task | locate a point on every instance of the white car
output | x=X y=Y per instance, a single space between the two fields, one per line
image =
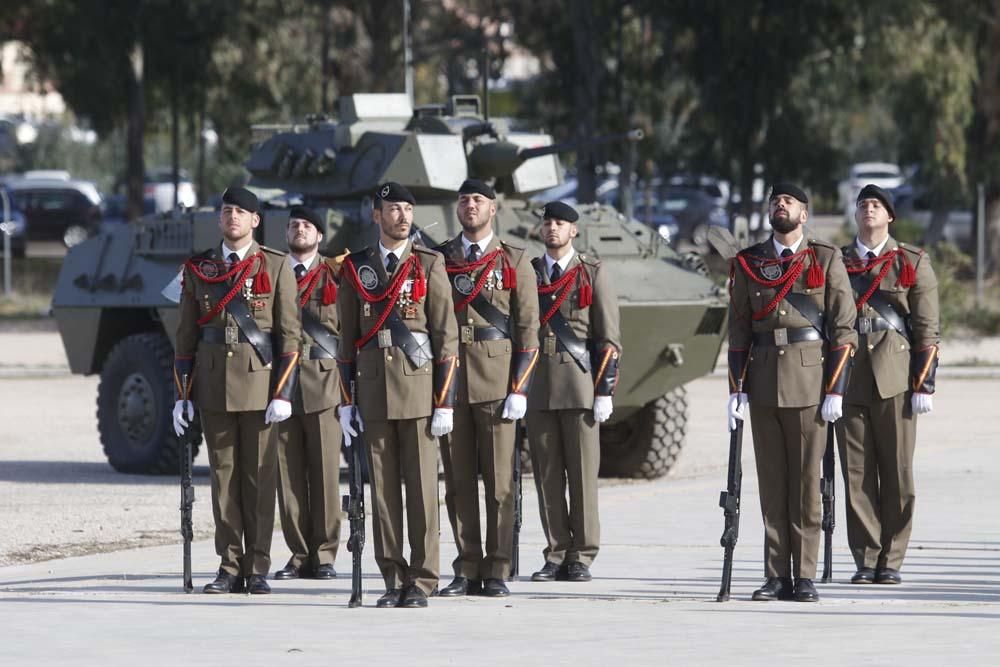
x=883 y=174
x=159 y=186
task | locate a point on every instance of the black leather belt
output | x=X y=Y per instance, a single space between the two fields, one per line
x=866 y=325
x=229 y=336
x=470 y=334
x=781 y=337
x=316 y=352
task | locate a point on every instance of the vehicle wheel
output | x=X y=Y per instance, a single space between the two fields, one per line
x=135 y=401
x=75 y=235
x=646 y=445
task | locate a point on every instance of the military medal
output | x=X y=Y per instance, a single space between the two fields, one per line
x=464 y=284
x=409 y=311
x=209 y=268
x=368 y=277
x=497 y=279
x=248 y=288
x=770 y=271
x=258 y=304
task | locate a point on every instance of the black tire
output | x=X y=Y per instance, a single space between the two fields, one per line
x=135 y=401
x=646 y=445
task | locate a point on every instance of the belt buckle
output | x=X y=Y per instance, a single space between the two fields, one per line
x=384 y=338
x=232 y=335
x=549 y=345
x=781 y=337
x=865 y=325
x=467 y=334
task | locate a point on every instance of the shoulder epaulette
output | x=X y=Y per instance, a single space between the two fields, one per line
x=512 y=246
x=204 y=254
x=358 y=255
x=426 y=251
x=822 y=244
x=912 y=249
x=272 y=251
x=590 y=261
x=754 y=250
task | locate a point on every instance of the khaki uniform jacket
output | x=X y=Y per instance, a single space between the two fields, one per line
x=319 y=382
x=559 y=383
x=232 y=378
x=790 y=376
x=485 y=366
x=388 y=386
x=884 y=356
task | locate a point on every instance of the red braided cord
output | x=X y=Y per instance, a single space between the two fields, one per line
x=563 y=279
x=480 y=282
x=453 y=266
x=243 y=267
x=309 y=282
x=796 y=259
x=876 y=282
x=790 y=277
x=392 y=293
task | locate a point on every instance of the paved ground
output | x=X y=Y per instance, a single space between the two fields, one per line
x=651 y=602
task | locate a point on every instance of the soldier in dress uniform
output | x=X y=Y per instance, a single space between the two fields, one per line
x=571 y=395
x=892 y=382
x=791 y=339
x=496 y=304
x=309 y=441
x=238 y=341
x=398 y=361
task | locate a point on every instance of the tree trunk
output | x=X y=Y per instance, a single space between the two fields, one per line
x=586 y=84
x=134 y=164
x=939 y=220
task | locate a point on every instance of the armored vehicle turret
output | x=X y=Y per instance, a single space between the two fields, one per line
x=115 y=321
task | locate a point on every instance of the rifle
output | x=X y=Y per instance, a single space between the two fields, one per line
x=353 y=505
x=515 y=554
x=826 y=489
x=187 y=492
x=729 y=501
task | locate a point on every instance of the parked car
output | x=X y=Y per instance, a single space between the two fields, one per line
x=680 y=214
x=159 y=186
x=883 y=174
x=63 y=209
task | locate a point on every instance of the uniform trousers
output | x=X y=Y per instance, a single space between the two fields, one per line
x=566 y=451
x=402 y=450
x=242 y=455
x=788 y=445
x=308 y=491
x=481 y=441
x=876 y=443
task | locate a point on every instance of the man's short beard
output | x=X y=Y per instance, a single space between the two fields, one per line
x=476 y=225
x=783 y=225
x=396 y=234
x=555 y=245
x=302 y=248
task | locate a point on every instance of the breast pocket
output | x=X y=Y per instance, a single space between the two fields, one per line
x=812 y=356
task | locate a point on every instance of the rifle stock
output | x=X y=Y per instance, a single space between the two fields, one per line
x=353 y=505
x=729 y=501
x=187 y=492
x=826 y=487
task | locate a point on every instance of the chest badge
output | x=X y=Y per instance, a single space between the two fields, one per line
x=464 y=284
x=368 y=277
x=770 y=271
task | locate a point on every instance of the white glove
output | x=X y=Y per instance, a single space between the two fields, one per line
x=737 y=406
x=921 y=403
x=515 y=407
x=278 y=410
x=347 y=413
x=442 y=422
x=833 y=408
x=180 y=423
x=602 y=408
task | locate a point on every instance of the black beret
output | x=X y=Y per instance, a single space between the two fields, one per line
x=307 y=214
x=788 y=189
x=241 y=197
x=474 y=186
x=872 y=191
x=560 y=211
x=392 y=192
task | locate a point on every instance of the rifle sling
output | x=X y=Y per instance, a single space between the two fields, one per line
x=491 y=314
x=809 y=310
x=237 y=308
x=320 y=334
x=880 y=304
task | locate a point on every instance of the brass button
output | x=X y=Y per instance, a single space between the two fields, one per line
x=870 y=346
x=471 y=321
x=782 y=312
x=756 y=293
x=359 y=373
x=780 y=352
x=902 y=347
x=267 y=365
x=822 y=358
x=388 y=357
x=229 y=354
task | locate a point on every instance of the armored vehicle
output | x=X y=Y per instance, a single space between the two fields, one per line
x=115 y=320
